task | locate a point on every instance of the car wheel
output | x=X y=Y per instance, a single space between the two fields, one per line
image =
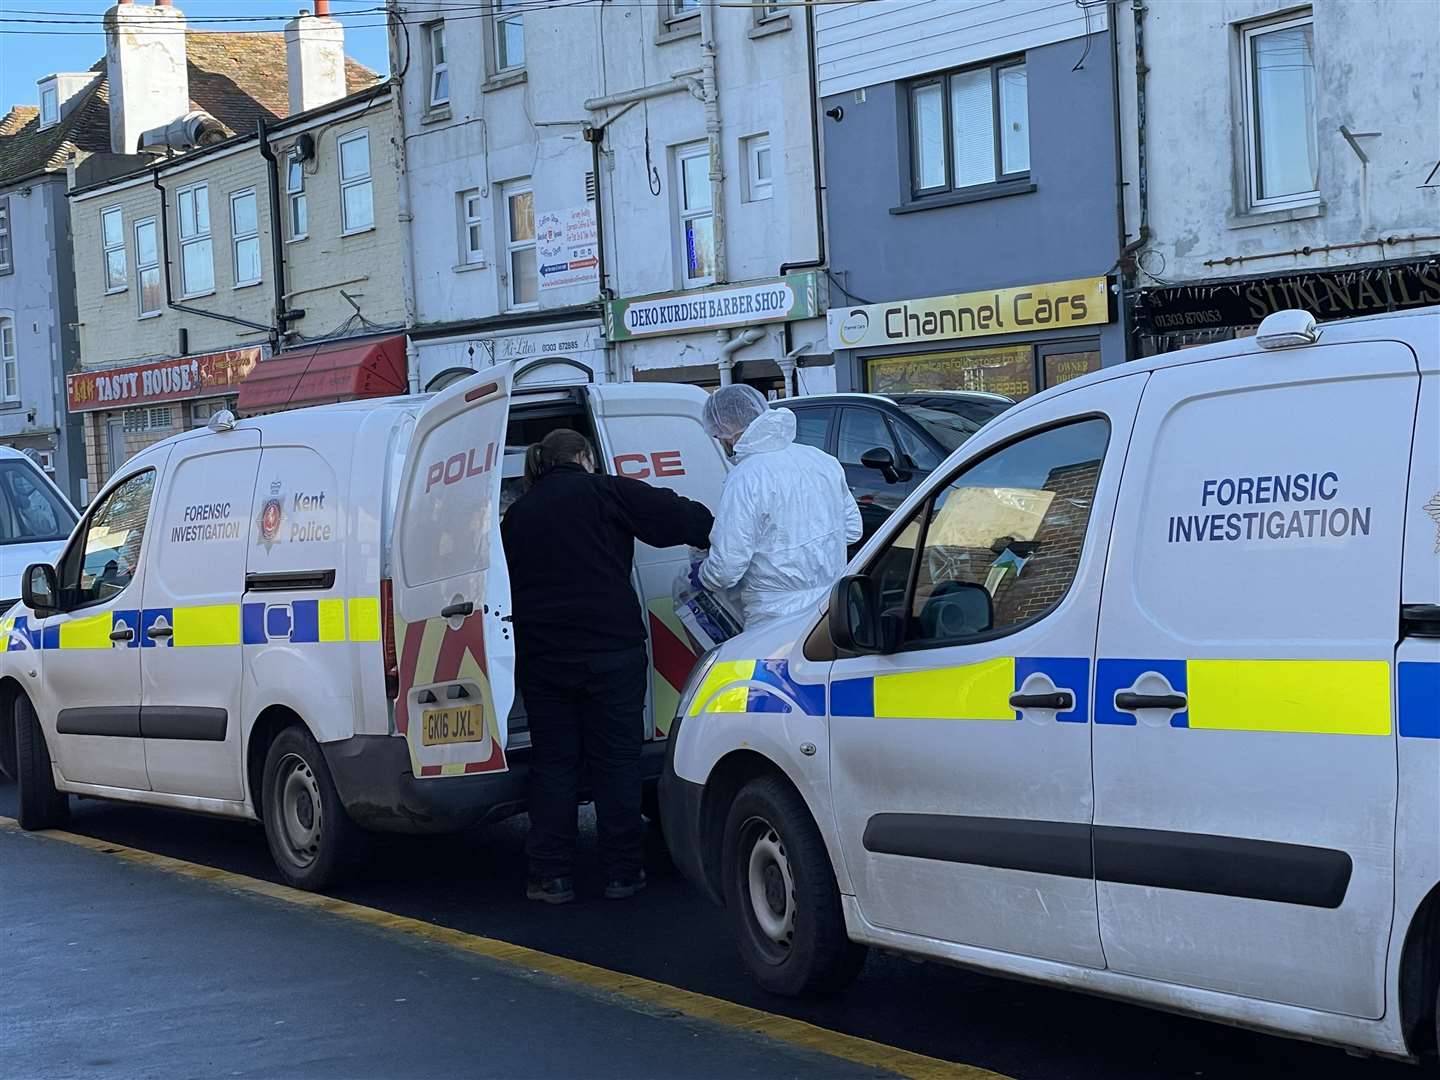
x=41 y=806
x=781 y=895
x=312 y=838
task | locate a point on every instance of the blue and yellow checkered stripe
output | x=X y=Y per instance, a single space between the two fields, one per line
x=979 y=691
x=299 y=622
x=756 y=686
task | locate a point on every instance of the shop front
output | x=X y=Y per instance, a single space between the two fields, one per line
x=127 y=408
x=769 y=334
x=1183 y=315
x=1013 y=341
x=550 y=355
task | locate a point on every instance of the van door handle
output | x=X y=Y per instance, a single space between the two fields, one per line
x=1060 y=701
x=453 y=611
x=160 y=628
x=1126 y=701
x=122 y=633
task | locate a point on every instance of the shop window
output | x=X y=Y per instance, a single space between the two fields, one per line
x=299 y=205
x=197 y=267
x=520 y=247
x=357 y=197
x=969 y=128
x=997 y=369
x=1061 y=363
x=147 y=267
x=1278 y=82
x=112 y=230
x=697 y=220
x=155 y=418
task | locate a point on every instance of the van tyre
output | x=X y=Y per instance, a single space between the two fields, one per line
x=781 y=894
x=41 y=806
x=313 y=840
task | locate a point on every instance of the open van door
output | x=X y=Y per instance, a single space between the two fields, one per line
x=450 y=591
x=653 y=432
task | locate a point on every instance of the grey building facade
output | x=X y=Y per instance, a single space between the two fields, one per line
x=972 y=193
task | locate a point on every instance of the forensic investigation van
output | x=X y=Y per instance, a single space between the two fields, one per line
x=305 y=617
x=1138 y=694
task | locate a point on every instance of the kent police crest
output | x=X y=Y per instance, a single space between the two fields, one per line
x=271 y=514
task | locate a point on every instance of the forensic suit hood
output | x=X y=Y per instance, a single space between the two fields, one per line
x=785 y=518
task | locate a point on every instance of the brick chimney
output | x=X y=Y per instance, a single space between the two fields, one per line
x=145 y=61
x=315 y=58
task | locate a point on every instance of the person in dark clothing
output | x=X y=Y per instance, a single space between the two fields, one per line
x=580 y=645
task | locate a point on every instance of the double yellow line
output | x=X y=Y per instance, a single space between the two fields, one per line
x=728 y=1014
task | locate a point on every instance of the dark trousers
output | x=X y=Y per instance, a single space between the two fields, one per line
x=585 y=708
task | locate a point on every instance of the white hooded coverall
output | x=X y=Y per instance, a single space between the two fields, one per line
x=785 y=519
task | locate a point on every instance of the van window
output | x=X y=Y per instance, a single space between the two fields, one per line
x=29 y=510
x=109 y=552
x=1013 y=524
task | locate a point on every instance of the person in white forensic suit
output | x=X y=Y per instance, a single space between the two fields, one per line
x=786 y=515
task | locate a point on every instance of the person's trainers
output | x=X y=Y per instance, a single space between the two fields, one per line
x=623 y=886
x=550 y=890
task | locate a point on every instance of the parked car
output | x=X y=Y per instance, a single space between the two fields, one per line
x=889 y=443
x=35 y=519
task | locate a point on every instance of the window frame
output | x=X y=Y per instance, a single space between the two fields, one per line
x=107 y=248
x=926 y=508
x=680 y=10
x=9 y=360
x=508 y=192
x=142 y=268
x=75 y=550
x=295 y=196
x=205 y=237
x=237 y=238
x=1255 y=203
x=7 y=237
x=51 y=91
x=346 y=184
x=683 y=153
x=768 y=13
x=435 y=47
x=757 y=189
x=1002 y=180
x=500 y=17
x=471 y=256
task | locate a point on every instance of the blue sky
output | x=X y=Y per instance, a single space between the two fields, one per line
x=30 y=51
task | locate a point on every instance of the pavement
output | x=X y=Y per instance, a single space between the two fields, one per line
x=473 y=883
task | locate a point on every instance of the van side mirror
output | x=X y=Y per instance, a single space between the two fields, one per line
x=39 y=590
x=883 y=462
x=856 y=623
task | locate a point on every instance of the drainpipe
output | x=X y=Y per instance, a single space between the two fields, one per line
x=186 y=308
x=676 y=85
x=283 y=315
x=403 y=213
x=1113 y=10
x=816 y=164
x=712 y=134
x=1142 y=176
x=730 y=346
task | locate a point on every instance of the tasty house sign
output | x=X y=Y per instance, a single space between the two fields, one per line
x=164 y=380
x=1080 y=302
x=794 y=296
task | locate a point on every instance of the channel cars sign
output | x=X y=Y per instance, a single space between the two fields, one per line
x=165 y=380
x=794 y=296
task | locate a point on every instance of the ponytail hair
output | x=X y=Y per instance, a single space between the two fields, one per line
x=561 y=447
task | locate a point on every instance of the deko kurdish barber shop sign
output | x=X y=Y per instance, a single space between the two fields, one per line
x=1081 y=302
x=794 y=296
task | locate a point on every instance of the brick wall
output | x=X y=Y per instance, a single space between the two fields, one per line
x=1046 y=576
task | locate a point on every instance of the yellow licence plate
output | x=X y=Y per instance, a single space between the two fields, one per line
x=439 y=727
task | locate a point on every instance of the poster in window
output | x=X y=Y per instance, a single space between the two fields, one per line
x=1063 y=366
x=1002 y=369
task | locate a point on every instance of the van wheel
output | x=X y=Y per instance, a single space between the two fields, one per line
x=41 y=806
x=312 y=839
x=781 y=895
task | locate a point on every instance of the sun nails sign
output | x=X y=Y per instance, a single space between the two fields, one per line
x=1081 y=302
x=794 y=296
x=164 y=380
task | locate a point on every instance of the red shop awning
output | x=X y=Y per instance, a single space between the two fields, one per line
x=335 y=371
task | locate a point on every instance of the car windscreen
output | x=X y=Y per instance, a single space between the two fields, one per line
x=951 y=421
x=29 y=509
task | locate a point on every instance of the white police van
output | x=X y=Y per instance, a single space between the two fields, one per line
x=1139 y=694
x=305 y=617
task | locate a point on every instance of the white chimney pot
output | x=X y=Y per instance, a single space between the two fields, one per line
x=315 y=61
x=145 y=61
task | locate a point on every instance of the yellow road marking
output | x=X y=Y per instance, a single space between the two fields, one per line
x=686 y=1002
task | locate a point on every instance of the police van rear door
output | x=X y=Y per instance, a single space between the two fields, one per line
x=454 y=643
x=652 y=432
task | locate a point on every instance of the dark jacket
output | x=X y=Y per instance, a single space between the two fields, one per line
x=570 y=545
